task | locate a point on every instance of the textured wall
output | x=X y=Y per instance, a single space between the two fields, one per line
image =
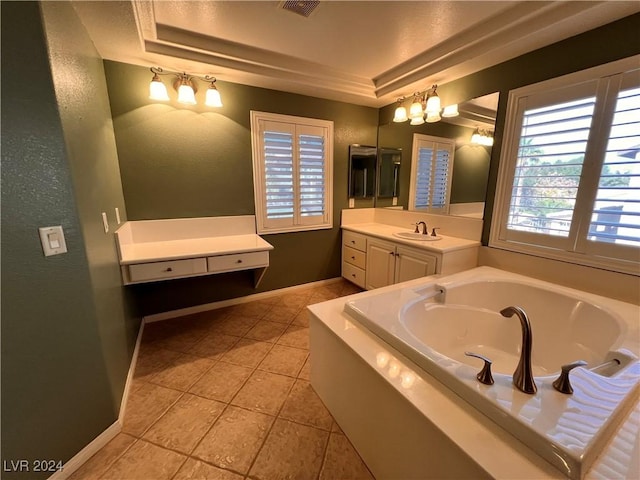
x=56 y=394
x=178 y=161
x=81 y=92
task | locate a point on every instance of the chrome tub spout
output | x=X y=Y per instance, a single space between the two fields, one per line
x=523 y=376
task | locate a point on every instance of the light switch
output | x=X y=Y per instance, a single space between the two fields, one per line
x=52 y=239
x=352 y=203
x=118 y=221
x=105 y=222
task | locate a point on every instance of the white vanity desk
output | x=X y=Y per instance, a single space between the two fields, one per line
x=152 y=250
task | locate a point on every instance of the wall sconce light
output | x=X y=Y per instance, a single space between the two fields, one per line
x=482 y=137
x=186 y=87
x=427 y=104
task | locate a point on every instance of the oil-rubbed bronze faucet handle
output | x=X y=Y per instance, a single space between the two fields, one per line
x=562 y=384
x=485 y=374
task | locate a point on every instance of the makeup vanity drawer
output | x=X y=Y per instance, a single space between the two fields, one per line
x=238 y=261
x=353 y=274
x=160 y=270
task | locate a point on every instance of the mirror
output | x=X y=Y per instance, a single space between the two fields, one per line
x=471 y=161
x=362 y=171
x=389 y=160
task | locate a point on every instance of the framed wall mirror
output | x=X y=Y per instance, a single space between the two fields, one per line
x=389 y=161
x=362 y=171
x=470 y=170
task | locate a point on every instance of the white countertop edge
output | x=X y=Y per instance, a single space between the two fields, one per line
x=208 y=246
x=385 y=232
x=495 y=450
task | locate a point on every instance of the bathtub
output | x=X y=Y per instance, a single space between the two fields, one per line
x=435 y=323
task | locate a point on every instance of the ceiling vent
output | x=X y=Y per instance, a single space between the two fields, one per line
x=301 y=7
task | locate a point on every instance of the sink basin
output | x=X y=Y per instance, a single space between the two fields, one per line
x=417 y=236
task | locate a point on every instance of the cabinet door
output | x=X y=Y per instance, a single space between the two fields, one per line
x=411 y=264
x=381 y=263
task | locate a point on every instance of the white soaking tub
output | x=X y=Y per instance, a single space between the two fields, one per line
x=434 y=324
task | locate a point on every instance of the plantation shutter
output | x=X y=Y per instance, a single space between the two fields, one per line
x=292 y=172
x=433 y=159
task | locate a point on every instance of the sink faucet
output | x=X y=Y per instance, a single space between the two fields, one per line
x=523 y=376
x=424 y=228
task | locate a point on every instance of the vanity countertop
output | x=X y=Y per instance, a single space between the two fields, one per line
x=386 y=232
x=193 y=247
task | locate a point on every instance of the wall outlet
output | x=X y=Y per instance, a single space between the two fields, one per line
x=352 y=203
x=118 y=221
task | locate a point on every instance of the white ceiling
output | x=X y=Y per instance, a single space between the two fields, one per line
x=363 y=52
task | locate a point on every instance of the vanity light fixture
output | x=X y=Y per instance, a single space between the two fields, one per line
x=482 y=137
x=186 y=87
x=425 y=107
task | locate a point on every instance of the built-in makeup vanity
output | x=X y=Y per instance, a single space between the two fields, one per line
x=379 y=247
x=153 y=250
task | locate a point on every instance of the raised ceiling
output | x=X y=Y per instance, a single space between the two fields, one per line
x=363 y=52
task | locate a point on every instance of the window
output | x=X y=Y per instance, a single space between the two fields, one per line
x=569 y=181
x=431 y=167
x=292 y=172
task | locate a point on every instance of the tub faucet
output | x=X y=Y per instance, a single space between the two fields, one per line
x=523 y=376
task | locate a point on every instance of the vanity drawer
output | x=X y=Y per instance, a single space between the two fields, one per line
x=353 y=274
x=158 y=270
x=354 y=257
x=354 y=240
x=238 y=261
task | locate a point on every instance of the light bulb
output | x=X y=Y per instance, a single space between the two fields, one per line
x=213 y=97
x=416 y=109
x=450 y=111
x=400 y=115
x=433 y=103
x=433 y=117
x=157 y=90
x=417 y=120
x=185 y=93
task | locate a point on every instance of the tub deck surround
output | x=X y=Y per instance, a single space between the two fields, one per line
x=569 y=431
x=466 y=443
x=152 y=250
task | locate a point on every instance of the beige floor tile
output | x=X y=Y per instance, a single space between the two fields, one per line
x=145 y=405
x=185 y=423
x=93 y=468
x=182 y=340
x=305 y=372
x=266 y=331
x=196 y=470
x=236 y=325
x=152 y=360
x=295 y=336
x=304 y=406
x=234 y=439
x=302 y=318
x=264 y=392
x=293 y=300
x=182 y=372
x=221 y=382
x=145 y=461
x=247 y=353
x=291 y=451
x=342 y=461
x=282 y=314
x=336 y=428
x=256 y=309
x=284 y=360
x=214 y=345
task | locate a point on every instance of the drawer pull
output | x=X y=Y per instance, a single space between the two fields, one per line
x=353 y=275
x=352 y=257
x=353 y=241
x=168 y=269
x=239 y=261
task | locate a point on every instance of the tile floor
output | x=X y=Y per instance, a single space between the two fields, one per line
x=225 y=395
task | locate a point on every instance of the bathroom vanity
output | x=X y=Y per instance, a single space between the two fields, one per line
x=153 y=250
x=376 y=254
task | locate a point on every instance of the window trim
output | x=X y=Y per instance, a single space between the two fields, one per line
x=417 y=138
x=298 y=223
x=591 y=255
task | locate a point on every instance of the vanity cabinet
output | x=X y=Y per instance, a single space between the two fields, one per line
x=388 y=263
x=371 y=258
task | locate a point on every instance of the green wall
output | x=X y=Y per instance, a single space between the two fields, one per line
x=67 y=330
x=178 y=161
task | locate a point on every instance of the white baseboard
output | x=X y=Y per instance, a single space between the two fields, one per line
x=156 y=317
x=132 y=369
x=87 y=452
